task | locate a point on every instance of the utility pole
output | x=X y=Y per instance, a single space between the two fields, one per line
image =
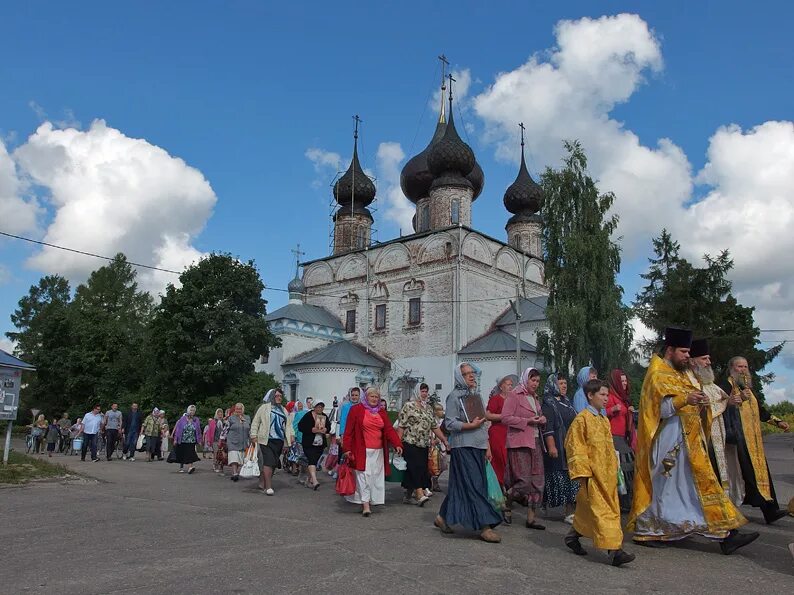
x=516 y=310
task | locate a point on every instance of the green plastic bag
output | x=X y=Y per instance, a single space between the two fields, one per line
x=495 y=495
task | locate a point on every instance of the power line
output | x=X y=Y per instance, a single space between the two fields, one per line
x=279 y=289
x=137 y=264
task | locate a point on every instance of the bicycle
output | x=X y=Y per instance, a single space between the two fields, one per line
x=28 y=442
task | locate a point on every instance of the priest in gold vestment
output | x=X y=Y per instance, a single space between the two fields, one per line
x=676 y=493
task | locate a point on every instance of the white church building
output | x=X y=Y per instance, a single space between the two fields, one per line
x=397 y=313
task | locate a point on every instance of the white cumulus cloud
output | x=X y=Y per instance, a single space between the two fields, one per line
x=398 y=209
x=570 y=91
x=111 y=193
x=18 y=214
x=326 y=165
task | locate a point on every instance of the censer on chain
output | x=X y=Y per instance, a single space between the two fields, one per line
x=669 y=461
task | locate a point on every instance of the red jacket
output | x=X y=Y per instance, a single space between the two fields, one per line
x=622 y=421
x=353 y=441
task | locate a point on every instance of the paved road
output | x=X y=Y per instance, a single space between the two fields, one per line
x=144 y=528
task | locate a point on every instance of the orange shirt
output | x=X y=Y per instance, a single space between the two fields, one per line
x=373 y=430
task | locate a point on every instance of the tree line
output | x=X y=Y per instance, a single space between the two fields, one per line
x=109 y=342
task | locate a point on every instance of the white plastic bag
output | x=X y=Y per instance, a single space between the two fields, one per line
x=399 y=462
x=250 y=467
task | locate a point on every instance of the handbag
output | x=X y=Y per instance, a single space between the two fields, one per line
x=495 y=495
x=345 y=481
x=250 y=468
x=172 y=456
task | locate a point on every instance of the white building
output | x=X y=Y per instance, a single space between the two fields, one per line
x=405 y=311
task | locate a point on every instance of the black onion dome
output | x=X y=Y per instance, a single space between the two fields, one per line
x=477 y=179
x=523 y=196
x=450 y=155
x=415 y=178
x=364 y=191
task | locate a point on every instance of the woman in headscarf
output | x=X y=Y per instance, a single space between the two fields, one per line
x=213 y=433
x=352 y=398
x=620 y=412
x=467 y=501
x=151 y=429
x=559 y=413
x=580 y=399
x=497 y=433
x=314 y=426
x=524 y=477
x=237 y=438
x=187 y=433
x=368 y=433
x=269 y=429
x=417 y=425
x=221 y=451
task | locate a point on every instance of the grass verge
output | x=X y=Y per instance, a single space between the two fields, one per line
x=21 y=468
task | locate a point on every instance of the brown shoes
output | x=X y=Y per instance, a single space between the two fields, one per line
x=490 y=536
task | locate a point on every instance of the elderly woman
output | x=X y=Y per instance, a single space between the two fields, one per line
x=314 y=427
x=467 y=502
x=523 y=416
x=273 y=434
x=368 y=433
x=151 y=430
x=187 y=434
x=212 y=433
x=237 y=439
x=560 y=490
x=417 y=425
x=497 y=433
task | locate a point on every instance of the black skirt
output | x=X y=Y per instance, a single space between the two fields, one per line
x=313 y=453
x=185 y=453
x=270 y=453
x=416 y=475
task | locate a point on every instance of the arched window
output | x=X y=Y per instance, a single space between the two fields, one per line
x=455 y=212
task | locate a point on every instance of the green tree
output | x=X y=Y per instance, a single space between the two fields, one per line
x=587 y=319
x=248 y=391
x=109 y=317
x=699 y=298
x=44 y=338
x=206 y=334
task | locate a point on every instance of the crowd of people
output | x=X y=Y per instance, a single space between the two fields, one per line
x=680 y=465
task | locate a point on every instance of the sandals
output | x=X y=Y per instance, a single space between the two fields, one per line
x=507 y=517
x=442 y=524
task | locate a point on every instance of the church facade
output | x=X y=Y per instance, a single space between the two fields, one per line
x=397 y=313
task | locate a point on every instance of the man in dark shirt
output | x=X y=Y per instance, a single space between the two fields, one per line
x=130 y=431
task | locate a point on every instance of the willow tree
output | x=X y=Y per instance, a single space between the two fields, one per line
x=588 y=322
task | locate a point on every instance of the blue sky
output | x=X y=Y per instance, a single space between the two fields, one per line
x=241 y=90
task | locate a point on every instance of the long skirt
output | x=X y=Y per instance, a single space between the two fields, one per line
x=371 y=482
x=185 y=453
x=467 y=502
x=627 y=466
x=417 y=474
x=559 y=489
x=524 y=477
